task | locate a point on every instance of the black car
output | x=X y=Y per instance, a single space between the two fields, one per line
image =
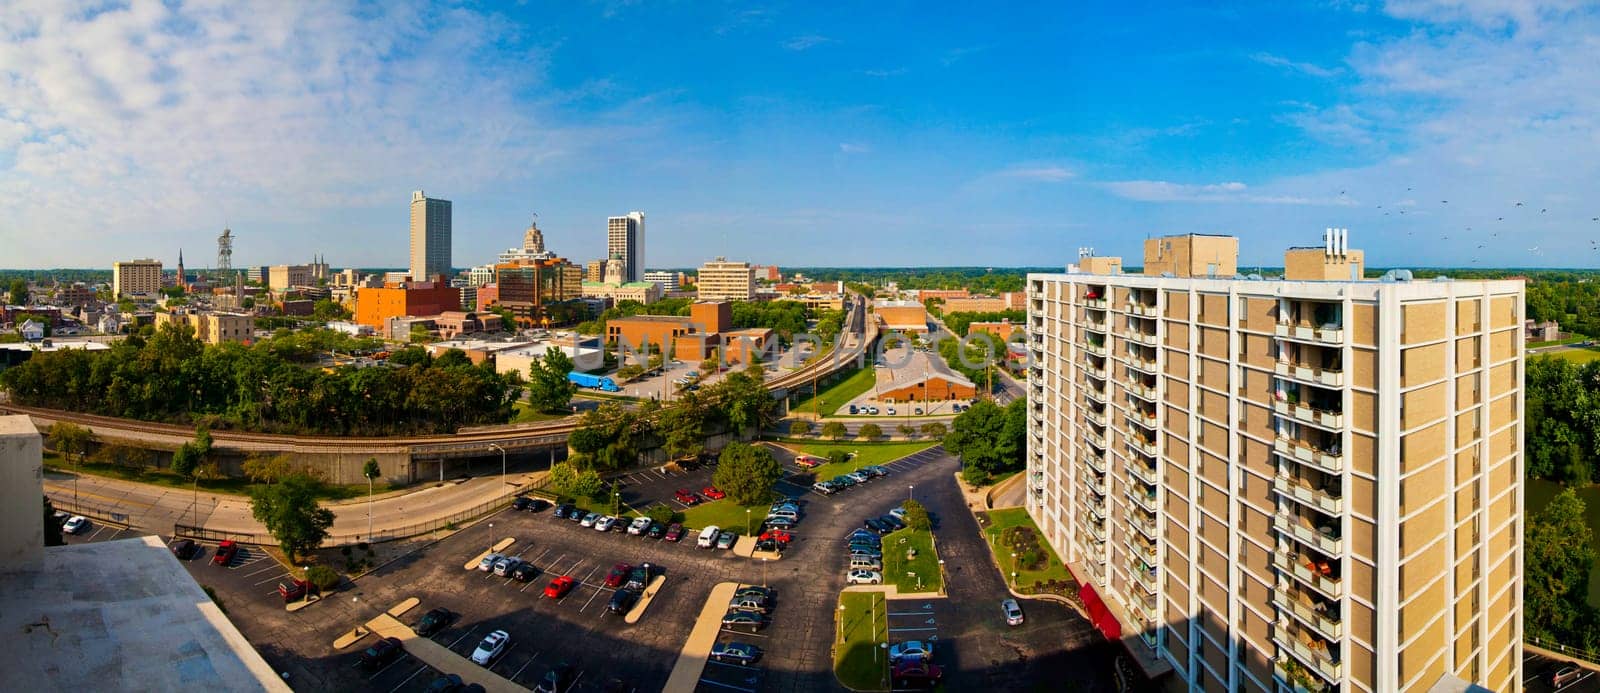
x=381 y=653
x=557 y=680
x=445 y=684
x=564 y=510
x=769 y=546
x=622 y=601
x=637 y=578
x=657 y=530
x=744 y=620
x=185 y=549
x=736 y=652
x=878 y=526
x=757 y=591
x=521 y=503
x=524 y=572
x=433 y=622
x=779 y=523
x=892 y=521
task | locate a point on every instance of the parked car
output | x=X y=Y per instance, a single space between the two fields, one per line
x=823 y=488
x=637 y=578
x=780 y=523
x=899 y=513
x=686 y=497
x=295 y=589
x=891 y=411
x=864 y=577
x=381 y=653
x=605 y=523
x=777 y=535
x=445 y=683
x=744 y=620
x=864 y=535
x=487 y=564
x=726 y=539
x=1013 y=612
x=808 y=461
x=911 y=650
x=892 y=521
x=589 y=520
x=521 y=503
x=859 y=477
x=639 y=525
x=185 y=549
x=433 y=621
x=578 y=515
x=559 y=587
x=504 y=566
x=524 y=572
x=557 y=680
x=226 y=550
x=713 y=493
x=854 y=409
x=917 y=411
x=656 y=530
x=749 y=603
x=622 y=601
x=619 y=572
x=1565 y=675
x=916 y=675
x=874 y=525
x=674 y=532
x=77 y=524
x=736 y=653
x=563 y=510
x=708 y=537
x=493 y=644
x=876 y=470
x=757 y=591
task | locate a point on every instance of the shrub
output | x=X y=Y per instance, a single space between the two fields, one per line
x=661 y=513
x=323 y=577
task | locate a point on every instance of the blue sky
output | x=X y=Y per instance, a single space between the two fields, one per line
x=886 y=133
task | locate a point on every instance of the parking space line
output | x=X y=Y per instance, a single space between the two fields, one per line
x=271 y=579
x=591 y=598
x=408 y=678
x=98 y=528
x=403 y=656
x=452 y=645
x=907 y=630
x=263 y=570
x=743 y=634
x=728 y=685
x=731 y=665
x=513 y=677
x=502 y=658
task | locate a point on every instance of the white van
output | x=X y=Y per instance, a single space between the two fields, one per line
x=708 y=537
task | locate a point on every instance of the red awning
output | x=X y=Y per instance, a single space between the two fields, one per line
x=1099 y=614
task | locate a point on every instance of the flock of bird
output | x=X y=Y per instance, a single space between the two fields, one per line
x=1594 y=244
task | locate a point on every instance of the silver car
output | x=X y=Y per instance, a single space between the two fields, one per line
x=1012 y=611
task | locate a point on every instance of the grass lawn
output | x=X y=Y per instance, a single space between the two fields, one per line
x=840 y=393
x=858 y=661
x=234 y=486
x=1557 y=342
x=1579 y=355
x=725 y=514
x=925 y=565
x=866 y=454
x=999 y=521
x=527 y=414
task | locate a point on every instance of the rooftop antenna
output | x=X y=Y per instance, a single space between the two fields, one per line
x=225 y=251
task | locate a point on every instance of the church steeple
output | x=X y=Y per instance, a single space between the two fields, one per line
x=182 y=280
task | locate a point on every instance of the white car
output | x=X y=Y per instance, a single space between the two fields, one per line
x=487 y=564
x=493 y=644
x=1012 y=611
x=898 y=514
x=639 y=525
x=891 y=411
x=864 y=577
x=605 y=524
x=589 y=520
x=75 y=524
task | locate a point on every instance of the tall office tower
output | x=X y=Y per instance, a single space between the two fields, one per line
x=625 y=239
x=1311 y=482
x=135 y=278
x=430 y=237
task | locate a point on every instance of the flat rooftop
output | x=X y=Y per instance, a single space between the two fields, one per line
x=120 y=616
x=905 y=368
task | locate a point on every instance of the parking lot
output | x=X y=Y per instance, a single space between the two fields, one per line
x=1537 y=670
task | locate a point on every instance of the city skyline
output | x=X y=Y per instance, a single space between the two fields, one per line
x=788 y=133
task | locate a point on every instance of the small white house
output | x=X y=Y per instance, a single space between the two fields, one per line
x=31 y=331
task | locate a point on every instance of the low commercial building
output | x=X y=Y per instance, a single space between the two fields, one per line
x=639 y=330
x=377 y=306
x=904 y=316
x=722 y=280
x=1001 y=330
x=212 y=328
x=642 y=292
x=453 y=323
x=743 y=346
x=586 y=354
x=668 y=281
x=76 y=294
x=280 y=277
x=920 y=379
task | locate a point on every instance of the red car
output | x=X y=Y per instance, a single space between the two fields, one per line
x=619 y=572
x=674 y=532
x=687 y=497
x=559 y=587
x=776 y=535
x=225 y=552
x=712 y=493
x=807 y=461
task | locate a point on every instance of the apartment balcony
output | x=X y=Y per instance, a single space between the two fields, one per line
x=1091 y=369
x=1096 y=459
x=1145 y=525
x=1096 y=349
x=1139 y=308
x=1143 y=607
x=1094 y=437
x=1141 y=497
x=1095 y=569
x=1322 y=536
x=1329 y=460
x=1095 y=303
x=1299 y=490
x=1138 y=442
x=1147 y=419
x=1098 y=417
x=1144 y=472
x=1142 y=391
x=1095 y=322
x=1309 y=374
x=1310 y=650
x=1147 y=338
x=1316 y=574
x=1300 y=682
x=1143 y=365
x=1319 y=615
x=1145 y=577
x=1142 y=550
x=1305 y=412
x=1096 y=529
x=1097 y=485
x=1095 y=393
x=1096 y=506
x=1332 y=333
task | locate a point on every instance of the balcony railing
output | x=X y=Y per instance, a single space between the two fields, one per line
x=1096 y=507
x=1095 y=438
x=1319 y=621
x=1145 y=578
x=1324 y=541
x=1146 y=419
x=1137 y=308
x=1096 y=530
x=1093 y=370
x=1096 y=303
x=1295 y=566
x=1141 y=550
x=1316 y=498
x=1095 y=393
x=1143 y=472
x=1146 y=526
x=1142 y=364
x=1330 y=334
x=1142 y=391
x=1097 y=324
x=1320 y=376
x=1096 y=462
x=1149 y=338
x=1138 y=442
x=1283 y=677
x=1325 y=460
x=1316 y=659
x=1095 y=416
x=1096 y=349
x=1300 y=411
x=1145 y=607
x=1096 y=568
x=1140 y=497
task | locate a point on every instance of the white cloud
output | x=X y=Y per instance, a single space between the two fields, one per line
x=1047 y=173
x=1231 y=191
x=854 y=148
x=800 y=43
x=1281 y=62
x=892 y=72
x=1492 y=14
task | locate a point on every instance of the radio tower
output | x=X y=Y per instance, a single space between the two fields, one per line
x=225 y=252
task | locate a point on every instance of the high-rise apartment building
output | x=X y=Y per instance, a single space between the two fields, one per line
x=136 y=278
x=430 y=237
x=625 y=241
x=1311 y=482
x=721 y=280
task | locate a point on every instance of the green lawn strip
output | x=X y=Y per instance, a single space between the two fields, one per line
x=904 y=574
x=527 y=414
x=1556 y=342
x=1580 y=355
x=858 y=660
x=999 y=521
x=725 y=514
x=232 y=486
x=838 y=394
x=866 y=454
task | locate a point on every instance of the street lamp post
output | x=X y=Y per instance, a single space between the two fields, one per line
x=491 y=537
x=909 y=489
x=747 y=529
x=502 y=461
x=841 y=623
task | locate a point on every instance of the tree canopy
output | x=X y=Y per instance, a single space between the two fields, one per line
x=1558 y=555
x=1562 y=424
x=747 y=473
x=989 y=439
x=291 y=513
x=549 y=390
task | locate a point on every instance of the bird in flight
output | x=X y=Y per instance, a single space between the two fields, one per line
x=1519 y=204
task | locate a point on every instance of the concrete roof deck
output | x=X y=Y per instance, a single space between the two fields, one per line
x=906 y=370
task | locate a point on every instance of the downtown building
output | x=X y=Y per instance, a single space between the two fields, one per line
x=1311 y=482
x=430 y=237
x=625 y=244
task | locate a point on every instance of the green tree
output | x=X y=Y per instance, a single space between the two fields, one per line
x=835 y=430
x=588 y=484
x=266 y=469
x=683 y=428
x=870 y=431
x=19 y=292
x=184 y=460
x=747 y=473
x=990 y=439
x=562 y=477
x=799 y=428
x=291 y=513
x=662 y=513
x=934 y=429
x=326 y=310
x=549 y=390
x=1559 y=553
x=71 y=440
x=907 y=430
x=370 y=469
x=917 y=515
